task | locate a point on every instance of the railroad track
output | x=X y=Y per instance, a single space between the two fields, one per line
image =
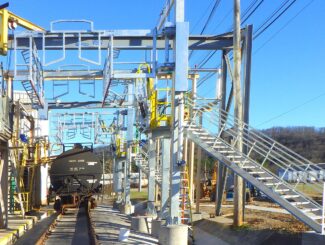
x=72 y=227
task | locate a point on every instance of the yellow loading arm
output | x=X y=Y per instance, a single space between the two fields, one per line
x=10 y=18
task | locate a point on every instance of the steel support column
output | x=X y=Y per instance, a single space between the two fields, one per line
x=152 y=175
x=174 y=164
x=180 y=85
x=198 y=179
x=118 y=176
x=127 y=176
x=165 y=177
x=222 y=170
x=128 y=162
x=140 y=177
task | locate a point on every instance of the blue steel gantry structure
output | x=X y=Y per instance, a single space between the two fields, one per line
x=159 y=119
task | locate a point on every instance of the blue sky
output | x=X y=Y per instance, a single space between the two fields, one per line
x=288 y=87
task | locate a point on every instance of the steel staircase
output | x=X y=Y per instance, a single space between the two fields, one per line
x=32 y=81
x=32 y=94
x=142 y=162
x=261 y=162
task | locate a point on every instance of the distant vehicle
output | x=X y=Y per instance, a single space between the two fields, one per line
x=75 y=176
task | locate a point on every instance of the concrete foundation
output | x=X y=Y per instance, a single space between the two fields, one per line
x=196 y=217
x=173 y=235
x=156 y=226
x=142 y=224
x=127 y=209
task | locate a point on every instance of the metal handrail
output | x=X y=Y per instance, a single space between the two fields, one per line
x=263 y=137
x=279 y=155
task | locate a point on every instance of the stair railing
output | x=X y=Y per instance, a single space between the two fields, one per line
x=259 y=145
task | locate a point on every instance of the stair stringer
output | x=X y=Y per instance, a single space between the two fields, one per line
x=258 y=184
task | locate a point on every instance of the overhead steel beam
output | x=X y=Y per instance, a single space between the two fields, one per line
x=72 y=75
x=145 y=42
x=82 y=105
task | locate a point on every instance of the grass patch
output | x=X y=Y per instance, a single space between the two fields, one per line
x=136 y=195
x=243 y=227
x=308 y=189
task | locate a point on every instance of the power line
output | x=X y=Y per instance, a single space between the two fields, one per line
x=266 y=24
x=216 y=5
x=201 y=18
x=292 y=109
x=283 y=27
x=257 y=34
x=213 y=10
x=274 y=35
x=248 y=12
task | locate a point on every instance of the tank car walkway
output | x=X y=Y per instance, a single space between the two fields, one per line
x=107 y=223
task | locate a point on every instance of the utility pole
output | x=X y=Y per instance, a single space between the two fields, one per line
x=238 y=111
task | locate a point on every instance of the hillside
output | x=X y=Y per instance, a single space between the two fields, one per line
x=307 y=141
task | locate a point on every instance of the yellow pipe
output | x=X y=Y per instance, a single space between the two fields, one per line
x=7 y=16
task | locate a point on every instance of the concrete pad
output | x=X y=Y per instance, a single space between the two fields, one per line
x=202 y=237
x=173 y=235
x=17 y=226
x=156 y=227
x=107 y=223
x=141 y=223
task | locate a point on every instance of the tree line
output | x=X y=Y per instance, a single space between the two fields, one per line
x=306 y=141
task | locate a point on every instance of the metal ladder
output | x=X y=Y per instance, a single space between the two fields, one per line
x=32 y=94
x=185 y=202
x=254 y=163
x=12 y=176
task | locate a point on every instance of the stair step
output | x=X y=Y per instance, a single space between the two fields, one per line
x=243 y=162
x=235 y=156
x=209 y=142
x=208 y=138
x=220 y=147
x=290 y=196
x=248 y=166
x=281 y=190
x=272 y=183
x=257 y=172
x=200 y=133
x=299 y=203
x=315 y=217
x=226 y=151
x=307 y=210
x=265 y=178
